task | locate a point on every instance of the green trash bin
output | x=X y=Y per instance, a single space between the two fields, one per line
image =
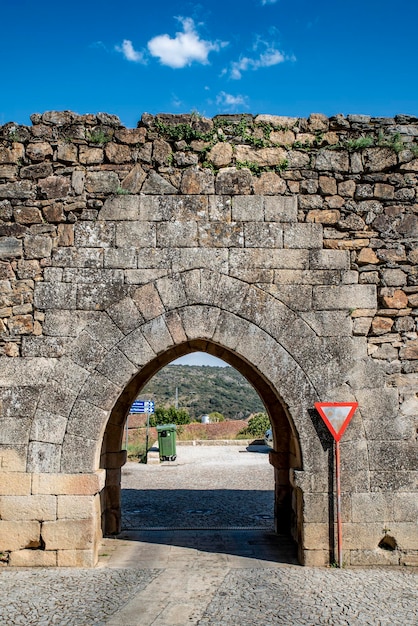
x=167 y=441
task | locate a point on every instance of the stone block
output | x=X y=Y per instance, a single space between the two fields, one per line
x=94 y=234
x=54 y=187
x=148 y=301
x=87 y=418
x=13 y=458
x=22 y=189
x=157 y=185
x=98 y=391
x=48 y=427
x=136 y=234
x=13 y=483
x=76 y=558
x=19 y=401
x=197 y=181
x=57 y=398
x=269 y=259
x=269 y=184
x=220 y=209
x=73 y=257
x=79 y=454
x=143 y=277
x=24 y=373
x=371 y=507
x=332 y=161
x=14 y=431
x=134 y=180
x=175 y=327
x=262 y=235
x=316 y=558
x=43 y=457
x=405 y=506
x=119 y=208
x=28 y=507
x=389 y=455
x=376 y=557
x=33 y=558
x=10 y=248
x=280 y=209
x=199 y=322
x=74 y=534
x=219 y=235
x=76 y=507
x=157 y=335
x=99 y=296
x=298 y=297
x=55 y=296
x=192 y=258
x=302 y=236
x=171 y=291
x=53 y=347
x=344 y=297
x=329 y=259
x=136 y=348
x=102 y=182
x=177 y=235
x=120 y=257
x=68 y=484
x=247 y=208
x=328 y=323
x=316 y=536
x=231 y=181
x=125 y=315
x=18 y=535
x=117 y=367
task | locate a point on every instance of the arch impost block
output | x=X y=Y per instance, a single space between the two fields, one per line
x=115 y=460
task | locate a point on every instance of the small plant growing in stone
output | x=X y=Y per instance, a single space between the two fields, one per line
x=120 y=191
x=360 y=143
x=98 y=136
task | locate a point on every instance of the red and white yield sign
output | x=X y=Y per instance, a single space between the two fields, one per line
x=336 y=416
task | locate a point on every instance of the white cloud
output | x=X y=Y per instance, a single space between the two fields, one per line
x=129 y=52
x=231 y=102
x=185 y=48
x=270 y=56
x=264 y=2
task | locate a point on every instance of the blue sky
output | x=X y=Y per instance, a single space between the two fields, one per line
x=256 y=56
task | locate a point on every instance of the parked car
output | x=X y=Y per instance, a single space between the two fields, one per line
x=268 y=438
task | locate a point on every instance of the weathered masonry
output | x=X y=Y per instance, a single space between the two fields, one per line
x=288 y=247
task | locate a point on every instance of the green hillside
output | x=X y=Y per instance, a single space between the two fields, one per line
x=203 y=389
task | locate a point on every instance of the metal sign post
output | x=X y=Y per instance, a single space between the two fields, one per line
x=337 y=416
x=143 y=406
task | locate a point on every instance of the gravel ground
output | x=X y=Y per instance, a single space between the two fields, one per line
x=206 y=487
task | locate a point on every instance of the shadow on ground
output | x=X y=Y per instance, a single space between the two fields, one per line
x=197 y=508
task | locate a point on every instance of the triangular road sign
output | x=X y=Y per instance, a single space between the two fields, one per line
x=336 y=416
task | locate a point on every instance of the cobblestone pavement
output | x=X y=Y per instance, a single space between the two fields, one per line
x=223 y=577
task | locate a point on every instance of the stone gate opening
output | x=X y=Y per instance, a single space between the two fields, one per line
x=286 y=454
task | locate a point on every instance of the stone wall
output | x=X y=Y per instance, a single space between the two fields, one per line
x=120 y=248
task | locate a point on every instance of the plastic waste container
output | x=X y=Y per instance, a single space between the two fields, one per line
x=167 y=441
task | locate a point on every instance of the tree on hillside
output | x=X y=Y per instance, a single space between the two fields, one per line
x=169 y=416
x=257 y=425
x=215 y=416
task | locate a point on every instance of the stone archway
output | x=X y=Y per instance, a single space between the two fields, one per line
x=279 y=352
x=285 y=456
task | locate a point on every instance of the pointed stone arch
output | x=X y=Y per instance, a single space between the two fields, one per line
x=281 y=354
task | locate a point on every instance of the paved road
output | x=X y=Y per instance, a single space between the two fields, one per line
x=207 y=576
